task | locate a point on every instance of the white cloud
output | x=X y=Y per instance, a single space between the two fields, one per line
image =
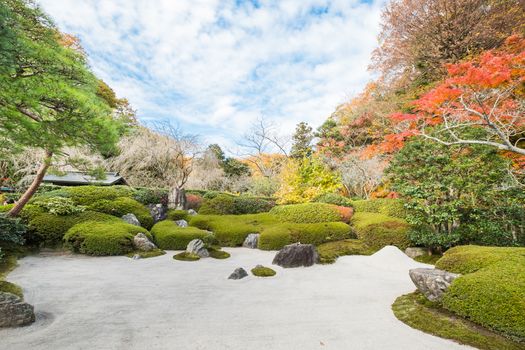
x=215 y=67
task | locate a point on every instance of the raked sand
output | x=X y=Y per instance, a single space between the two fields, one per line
x=160 y=303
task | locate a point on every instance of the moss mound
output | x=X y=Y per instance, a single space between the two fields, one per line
x=122 y=206
x=177 y=215
x=86 y=195
x=102 y=238
x=169 y=236
x=185 y=256
x=306 y=213
x=8 y=287
x=379 y=230
x=419 y=313
x=144 y=255
x=262 y=271
x=329 y=252
x=218 y=254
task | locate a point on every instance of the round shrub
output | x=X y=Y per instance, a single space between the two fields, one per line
x=175 y=215
x=194 y=201
x=263 y=271
x=251 y=205
x=307 y=213
x=385 y=206
x=102 y=238
x=219 y=205
x=46 y=229
x=387 y=233
x=150 y=195
x=185 y=256
x=333 y=198
x=123 y=205
x=86 y=195
x=346 y=213
x=170 y=236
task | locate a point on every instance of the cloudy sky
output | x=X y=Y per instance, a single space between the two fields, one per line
x=215 y=66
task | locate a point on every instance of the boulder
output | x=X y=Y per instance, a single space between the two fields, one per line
x=251 y=241
x=414 y=252
x=131 y=219
x=192 y=212
x=159 y=212
x=238 y=273
x=197 y=246
x=141 y=242
x=137 y=257
x=14 y=312
x=297 y=254
x=182 y=223
x=432 y=282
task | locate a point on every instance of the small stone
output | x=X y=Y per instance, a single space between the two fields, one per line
x=141 y=242
x=238 y=274
x=131 y=219
x=297 y=254
x=251 y=241
x=182 y=223
x=159 y=212
x=192 y=212
x=414 y=252
x=136 y=257
x=432 y=282
x=14 y=312
x=198 y=247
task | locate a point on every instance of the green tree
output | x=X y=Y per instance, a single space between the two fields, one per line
x=302 y=141
x=48 y=96
x=232 y=167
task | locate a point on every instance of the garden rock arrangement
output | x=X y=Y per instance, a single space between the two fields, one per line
x=131 y=219
x=14 y=312
x=238 y=274
x=197 y=247
x=251 y=241
x=142 y=243
x=432 y=282
x=159 y=212
x=296 y=255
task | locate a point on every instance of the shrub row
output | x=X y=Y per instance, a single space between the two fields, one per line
x=386 y=206
x=168 y=235
x=307 y=213
x=223 y=204
x=335 y=199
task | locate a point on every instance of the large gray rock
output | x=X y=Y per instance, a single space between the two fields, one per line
x=414 y=252
x=197 y=246
x=432 y=282
x=251 y=240
x=141 y=242
x=238 y=273
x=297 y=254
x=182 y=223
x=159 y=212
x=192 y=212
x=131 y=219
x=14 y=312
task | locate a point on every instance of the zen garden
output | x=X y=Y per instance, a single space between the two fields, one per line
x=262 y=174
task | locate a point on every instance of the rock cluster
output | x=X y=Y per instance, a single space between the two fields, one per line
x=432 y=282
x=198 y=247
x=297 y=254
x=14 y=312
x=251 y=241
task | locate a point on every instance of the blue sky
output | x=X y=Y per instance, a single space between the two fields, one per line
x=216 y=66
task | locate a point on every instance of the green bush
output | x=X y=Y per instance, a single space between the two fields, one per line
x=59 y=205
x=150 y=195
x=335 y=199
x=218 y=254
x=386 y=206
x=378 y=230
x=86 y=195
x=185 y=256
x=121 y=206
x=102 y=238
x=218 y=205
x=306 y=213
x=251 y=205
x=263 y=271
x=168 y=235
x=12 y=231
x=48 y=230
x=175 y=215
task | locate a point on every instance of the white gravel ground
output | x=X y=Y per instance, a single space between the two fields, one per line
x=160 y=303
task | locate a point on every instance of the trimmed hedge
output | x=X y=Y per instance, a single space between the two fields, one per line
x=175 y=215
x=307 y=213
x=220 y=204
x=86 y=195
x=223 y=204
x=335 y=199
x=123 y=205
x=385 y=206
x=168 y=235
x=102 y=238
x=150 y=195
x=378 y=230
x=46 y=229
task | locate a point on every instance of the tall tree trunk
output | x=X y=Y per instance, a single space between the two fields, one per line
x=19 y=205
x=177 y=199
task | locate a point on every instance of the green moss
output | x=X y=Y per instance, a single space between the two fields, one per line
x=379 y=230
x=177 y=215
x=102 y=238
x=329 y=252
x=333 y=198
x=150 y=254
x=307 y=213
x=168 y=235
x=185 y=256
x=122 y=206
x=428 y=259
x=8 y=287
x=7 y=264
x=275 y=237
x=415 y=310
x=262 y=271
x=471 y=258
x=218 y=254
x=385 y=206
x=360 y=220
